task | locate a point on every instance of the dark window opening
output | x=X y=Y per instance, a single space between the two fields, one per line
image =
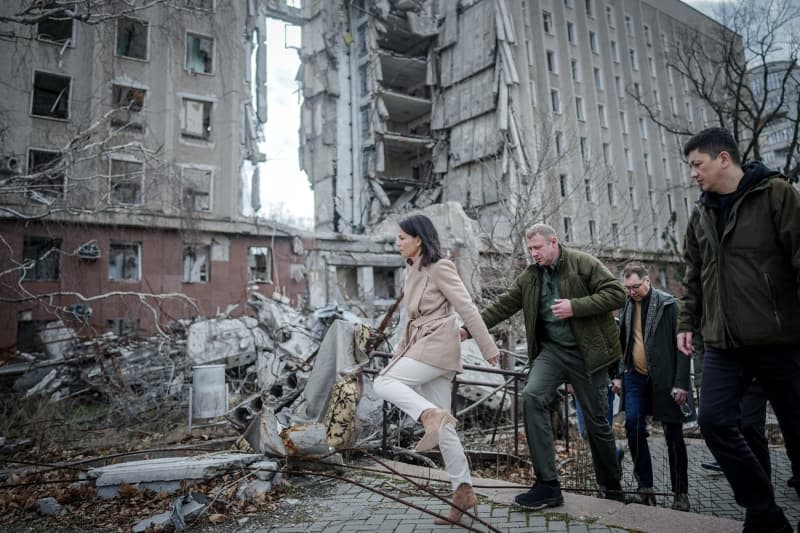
x=41 y=258
x=259 y=261
x=132 y=38
x=57 y=28
x=46 y=175
x=51 y=95
x=196 y=263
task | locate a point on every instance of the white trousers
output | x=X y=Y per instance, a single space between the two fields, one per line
x=397 y=385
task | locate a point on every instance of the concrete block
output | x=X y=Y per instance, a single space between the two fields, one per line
x=49 y=506
x=265 y=470
x=157 y=521
x=253 y=490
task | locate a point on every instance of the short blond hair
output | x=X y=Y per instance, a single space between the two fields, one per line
x=544 y=230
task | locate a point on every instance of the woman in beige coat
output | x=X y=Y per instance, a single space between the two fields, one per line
x=429 y=353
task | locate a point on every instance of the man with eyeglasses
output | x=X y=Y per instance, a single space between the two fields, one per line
x=741 y=291
x=655 y=382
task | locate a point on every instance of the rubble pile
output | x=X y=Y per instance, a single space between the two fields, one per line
x=296 y=381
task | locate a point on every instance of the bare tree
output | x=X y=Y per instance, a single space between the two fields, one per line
x=745 y=74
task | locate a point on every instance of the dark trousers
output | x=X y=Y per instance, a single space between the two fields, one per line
x=727 y=374
x=638 y=394
x=754 y=424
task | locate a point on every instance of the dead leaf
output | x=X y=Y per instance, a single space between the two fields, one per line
x=127 y=491
x=216 y=518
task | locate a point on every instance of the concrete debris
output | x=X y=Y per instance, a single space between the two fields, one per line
x=236 y=342
x=49 y=506
x=166 y=473
x=56 y=338
x=253 y=490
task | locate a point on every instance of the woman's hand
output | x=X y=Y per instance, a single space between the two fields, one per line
x=493 y=359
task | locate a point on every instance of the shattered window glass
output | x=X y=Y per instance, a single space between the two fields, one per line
x=259 y=262
x=199 y=53
x=123 y=261
x=196 y=263
x=123 y=327
x=125 y=182
x=197 y=189
x=196 y=119
x=41 y=258
x=132 y=38
x=56 y=29
x=46 y=176
x=128 y=103
x=51 y=95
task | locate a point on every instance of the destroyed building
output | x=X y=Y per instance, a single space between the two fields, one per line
x=520 y=111
x=129 y=146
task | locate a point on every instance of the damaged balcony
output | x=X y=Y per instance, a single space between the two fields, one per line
x=405 y=75
x=399 y=36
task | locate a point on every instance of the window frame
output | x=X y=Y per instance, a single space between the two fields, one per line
x=53 y=248
x=207 y=168
x=193 y=247
x=70 y=40
x=186 y=66
x=147 y=39
x=127 y=160
x=68 y=116
x=184 y=98
x=29 y=170
x=128 y=244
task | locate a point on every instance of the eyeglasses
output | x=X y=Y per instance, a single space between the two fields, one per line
x=633 y=288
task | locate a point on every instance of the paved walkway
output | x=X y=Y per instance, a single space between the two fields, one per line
x=709 y=492
x=343 y=507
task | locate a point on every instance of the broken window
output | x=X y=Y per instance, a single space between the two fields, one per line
x=46 y=174
x=56 y=29
x=196 y=119
x=132 y=35
x=197 y=189
x=124 y=261
x=196 y=263
x=346 y=284
x=51 y=95
x=366 y=161
x=123 y=327
x=128 y=103
x=130 y=98
x=365 y=121
x=199 y=53
x=259 y=262
x=384 y=283
x=41 y=257
x=125 y=182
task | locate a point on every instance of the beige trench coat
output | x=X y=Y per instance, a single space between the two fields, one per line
x=431 y=335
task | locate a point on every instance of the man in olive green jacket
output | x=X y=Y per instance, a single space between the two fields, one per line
x=567 y=299
x=742 y=291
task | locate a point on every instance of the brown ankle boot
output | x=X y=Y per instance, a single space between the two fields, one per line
x=433 y=420
x=463 y=498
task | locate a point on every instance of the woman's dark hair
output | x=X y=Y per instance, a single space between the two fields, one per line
x=422 y=227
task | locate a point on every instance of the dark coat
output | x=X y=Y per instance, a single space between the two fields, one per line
x=743 y=289
x=594 y=293
x=668 y=367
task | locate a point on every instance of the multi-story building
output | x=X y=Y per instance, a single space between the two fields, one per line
x=520 y=111
x=128 y=145
x=779 y=146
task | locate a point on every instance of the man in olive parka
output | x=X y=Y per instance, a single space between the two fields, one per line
x=567 y=298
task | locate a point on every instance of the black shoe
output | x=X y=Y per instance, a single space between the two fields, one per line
x=714 y=467
x=643 y=496
x=681 y=502
x=771 y=521
x=614 y=492
x=540 y=496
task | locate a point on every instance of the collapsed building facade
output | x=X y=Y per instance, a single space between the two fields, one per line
x=129 y=159
x=518 y=111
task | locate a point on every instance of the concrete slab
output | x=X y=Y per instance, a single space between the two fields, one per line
x=166 y=471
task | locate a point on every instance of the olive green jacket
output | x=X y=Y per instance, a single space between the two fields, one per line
x=594 y=293
x=744 y=289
